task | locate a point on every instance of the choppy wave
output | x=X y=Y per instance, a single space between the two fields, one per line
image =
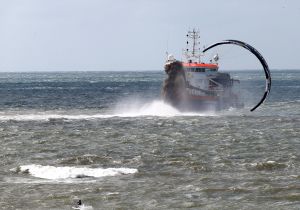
x=154 y=108
x=268 y=165
x=46 y=117
x=56 y=173
x=84 y=159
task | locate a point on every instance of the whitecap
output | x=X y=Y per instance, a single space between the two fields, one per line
x=156 y=108
x=46 y=117
x=83 y=207
x=57 y=173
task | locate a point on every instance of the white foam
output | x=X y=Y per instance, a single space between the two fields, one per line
x=46 y=117
x=128 y=109
x=154 y=108
x=83 y=207
x=53 y=173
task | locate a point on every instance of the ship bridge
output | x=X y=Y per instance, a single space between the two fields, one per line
x=200 y=67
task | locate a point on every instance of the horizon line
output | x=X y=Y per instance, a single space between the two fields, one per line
x=153 y=70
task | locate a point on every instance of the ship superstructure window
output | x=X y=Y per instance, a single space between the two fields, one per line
x=210 y=70
x=200 y=70
x=195 y=69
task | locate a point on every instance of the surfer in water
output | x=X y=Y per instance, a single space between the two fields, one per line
x=78 y=204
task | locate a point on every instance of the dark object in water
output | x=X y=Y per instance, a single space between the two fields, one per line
x=259 y=57
x=77 y=205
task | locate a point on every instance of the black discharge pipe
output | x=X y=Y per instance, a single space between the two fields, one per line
x=259 y=57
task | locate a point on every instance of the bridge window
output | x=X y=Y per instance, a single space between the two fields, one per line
x=200 y=69
x=210 y=70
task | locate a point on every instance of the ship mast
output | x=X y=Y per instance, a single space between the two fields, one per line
x=192 y=51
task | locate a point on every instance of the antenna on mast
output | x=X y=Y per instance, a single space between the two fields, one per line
x=192 y=52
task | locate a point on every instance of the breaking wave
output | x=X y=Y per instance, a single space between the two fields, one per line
x=53 y=173
x=132 y=109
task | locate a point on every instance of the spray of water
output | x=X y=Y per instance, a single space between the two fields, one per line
x=125 y=108
x=136 y=108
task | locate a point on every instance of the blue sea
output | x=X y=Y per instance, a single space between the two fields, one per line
x=108 y=139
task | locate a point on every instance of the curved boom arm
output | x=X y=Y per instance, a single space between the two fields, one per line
x=259 y=57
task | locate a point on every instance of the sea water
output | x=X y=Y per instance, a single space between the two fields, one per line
x=107 y=138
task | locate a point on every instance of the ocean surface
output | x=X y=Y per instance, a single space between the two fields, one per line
x=108 y=139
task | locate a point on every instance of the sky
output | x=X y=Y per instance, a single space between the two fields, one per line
x=116 y=35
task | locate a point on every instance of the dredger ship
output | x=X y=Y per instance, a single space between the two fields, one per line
x=193 y=85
